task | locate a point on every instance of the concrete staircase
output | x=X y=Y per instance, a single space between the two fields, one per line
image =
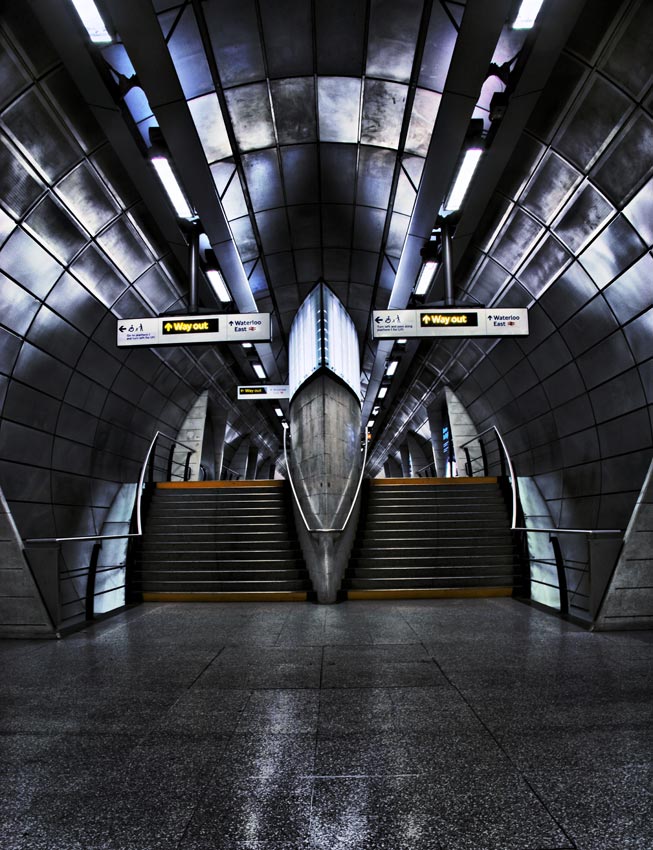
x=219 y=541
x=433 y=537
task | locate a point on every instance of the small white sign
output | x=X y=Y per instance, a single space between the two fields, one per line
x=186 y=330
x=263 y=392
x=394 y=323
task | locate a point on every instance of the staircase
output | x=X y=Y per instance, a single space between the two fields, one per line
x=219 y=541
x=433 y=537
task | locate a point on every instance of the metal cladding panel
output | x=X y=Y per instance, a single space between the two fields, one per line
x=640 y=212
x=35 y=128
x=393 y=31
x=630 y=293
x=340 y=36
x=549 y=187
x=383 y=113
x=628 y=162
x=17 y=306
x=57 y=231
x=612 y=251
x=19 y=184
x=582 y=217
x=305 y=226
x=338 y=100
x=28 y=263
x=293 y=101
x=210 y=125
x=263 y=180
x=251 y=116
x=299 y=165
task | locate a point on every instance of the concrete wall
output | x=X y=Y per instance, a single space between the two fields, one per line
x=628 y=602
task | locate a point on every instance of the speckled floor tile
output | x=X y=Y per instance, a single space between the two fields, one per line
x=426 y=725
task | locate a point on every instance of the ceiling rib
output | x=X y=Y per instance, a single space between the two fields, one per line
x=479 y=32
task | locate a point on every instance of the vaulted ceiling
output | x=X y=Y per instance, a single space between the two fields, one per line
x=314 y=140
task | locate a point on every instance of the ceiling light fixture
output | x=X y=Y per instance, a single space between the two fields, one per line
x=375 y=410
x=171 y=185
x=219 y=286
x=463 y=179
x=527 y=14
x=392 y=368
x=383 y=392
x=259 y=370
x=92 y=20
x=426 y=275
x=370 y=424
x=279 y=412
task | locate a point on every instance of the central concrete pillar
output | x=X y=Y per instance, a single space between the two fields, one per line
x=325 y=458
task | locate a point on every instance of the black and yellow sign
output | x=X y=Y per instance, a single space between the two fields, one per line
x=252 y=391
x=448 y=320
x=190 y=326
x=257 y=391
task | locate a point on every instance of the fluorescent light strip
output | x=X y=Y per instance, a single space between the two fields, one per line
x=370 y=424
x=219 y=286
x=383 y=392
x=260 y=371
x=527 y=14
x=463 y=179
x=426 y=276
x=392 y=368
x=279 y=412
x=92 y=20
x=172 y=187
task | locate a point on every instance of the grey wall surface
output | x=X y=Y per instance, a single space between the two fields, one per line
x=628 y=601
x=568 y=234
x=78 y=250
x=571 y=240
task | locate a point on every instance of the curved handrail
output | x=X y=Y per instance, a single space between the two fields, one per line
x=513 y=483
x=286 y=429
x=139 y=499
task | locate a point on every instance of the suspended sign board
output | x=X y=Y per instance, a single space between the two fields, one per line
x=262 y=392
x=465 y=321
x=185 y=330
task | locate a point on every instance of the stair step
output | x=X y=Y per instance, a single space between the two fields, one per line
x=194 y=573
x=430 y=581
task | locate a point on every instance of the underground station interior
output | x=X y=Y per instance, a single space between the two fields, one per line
x=326 y=426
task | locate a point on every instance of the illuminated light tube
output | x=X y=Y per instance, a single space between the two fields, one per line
x=375 y=410
x=463 y=179
x=219 y=286
x=370 y=424
x=247 y=345
x=392 y=368
x=383 y=392
x=527 y=14
x=172 y=187
x=92 y=20
x=426 y=276
x=279 y=412
x=260 y=371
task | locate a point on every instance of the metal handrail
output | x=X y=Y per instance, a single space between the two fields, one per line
x=139 y=498
x=513 y=483
x=286 y=429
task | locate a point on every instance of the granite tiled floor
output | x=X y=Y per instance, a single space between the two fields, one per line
x=430 y=725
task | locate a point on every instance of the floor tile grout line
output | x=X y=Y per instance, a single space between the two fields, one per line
x=219 y=760
x=518 y=770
